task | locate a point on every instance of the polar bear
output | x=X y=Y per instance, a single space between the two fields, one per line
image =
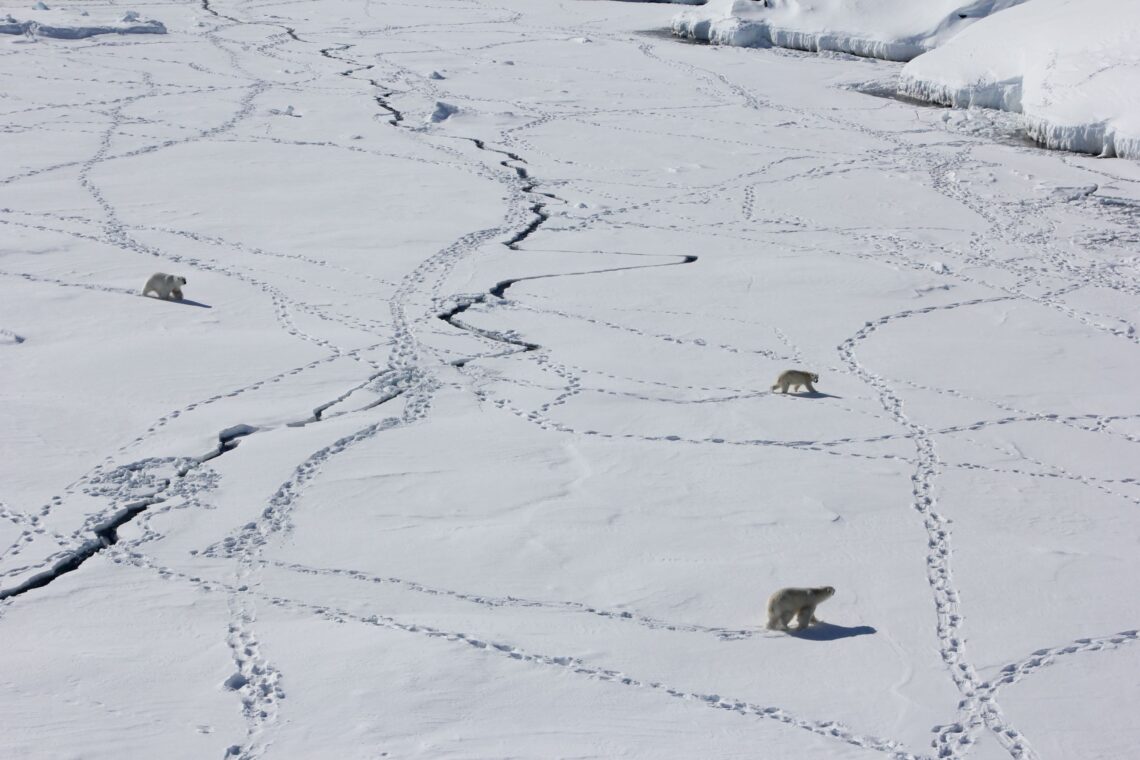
x=796 y=378
x=165 y=285
x=796 y=602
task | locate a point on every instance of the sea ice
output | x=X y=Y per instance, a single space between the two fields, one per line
x=896 y=30
x=1071 y=69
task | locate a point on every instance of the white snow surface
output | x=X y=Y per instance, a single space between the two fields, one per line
x=1073 y=70
x=73 y=22
x=319 y=520
x=896 y=30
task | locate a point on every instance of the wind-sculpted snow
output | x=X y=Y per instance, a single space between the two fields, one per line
x=894 y=30
x=69 y=24
x=462 y=442
x=1059 y=64
x=1070 y=69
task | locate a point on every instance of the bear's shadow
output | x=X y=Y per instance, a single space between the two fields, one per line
x=811 y=394
x=185 y=302
x=831 y=632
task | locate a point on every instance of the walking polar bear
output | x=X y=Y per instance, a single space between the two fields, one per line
x=165 y=285
x=795 y=378
x=799 y=603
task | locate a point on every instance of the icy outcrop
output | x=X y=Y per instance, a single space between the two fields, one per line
x=443 y=112
x=1072 y=69
x=896 y=30
x=41 y=20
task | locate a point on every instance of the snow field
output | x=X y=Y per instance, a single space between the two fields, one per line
x=477 y=547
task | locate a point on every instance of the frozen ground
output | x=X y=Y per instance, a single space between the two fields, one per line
x=499 y=473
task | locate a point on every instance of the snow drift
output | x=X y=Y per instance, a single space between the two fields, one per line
x=896 y=30
x=1071 y=69
x=43 y=21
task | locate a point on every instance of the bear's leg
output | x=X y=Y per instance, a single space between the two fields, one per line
x=773 y=622
x=804 y=616
x=177 y=293
x=810 y=387
x=784 y=386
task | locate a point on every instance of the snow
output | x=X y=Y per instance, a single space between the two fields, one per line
x=68 y=23
x=896 y=30
x=1071 y=69
x=443 y=112
x=1071 y=74
x=462 y=444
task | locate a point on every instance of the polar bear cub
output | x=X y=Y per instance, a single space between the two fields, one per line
x=165 y=285
x=795 y=378
x=798 y=603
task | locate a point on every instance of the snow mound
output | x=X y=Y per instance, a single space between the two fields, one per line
x=1072 y=70
x=443 y=111
x=897 y=30
x=9 y=338
x=42 y=21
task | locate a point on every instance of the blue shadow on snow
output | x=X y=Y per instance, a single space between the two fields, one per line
x=831 y=632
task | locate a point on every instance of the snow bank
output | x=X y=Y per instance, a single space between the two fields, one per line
x=443 y=112
x=1072 y=69
x=44 y=21
x=896 y=30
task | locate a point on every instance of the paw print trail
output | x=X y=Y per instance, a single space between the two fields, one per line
x=973 y=708
x=972 y=719
x=490 y=601
x=1017 y=671
x=129 y=490
x=825 y=728
x=270 y=685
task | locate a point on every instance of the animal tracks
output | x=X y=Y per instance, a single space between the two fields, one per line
x=396 y=337
x=1018 y=671
x=261 y=686
x=129 y=491
x=724 y=634
x=978 y=710
x=949 y=742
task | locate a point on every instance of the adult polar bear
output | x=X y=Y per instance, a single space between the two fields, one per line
x=165 y=285
x=799 y=603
